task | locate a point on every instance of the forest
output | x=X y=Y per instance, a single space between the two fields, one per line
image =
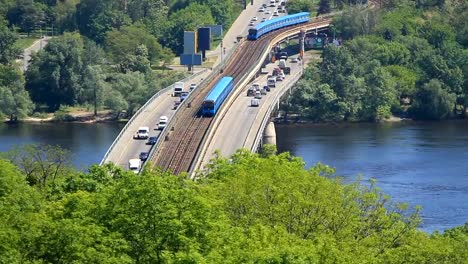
x=250 y=208
x=104 y=54
x=401 y=58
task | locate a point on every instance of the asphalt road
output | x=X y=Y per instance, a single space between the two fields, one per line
x=241 y=123
x=128 y=148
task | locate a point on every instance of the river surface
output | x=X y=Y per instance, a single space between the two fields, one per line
x=87 y=142
x=420 y=163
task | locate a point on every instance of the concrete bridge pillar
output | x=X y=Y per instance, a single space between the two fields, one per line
x=269 y=135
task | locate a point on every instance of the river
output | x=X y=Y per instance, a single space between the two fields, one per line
x=87 y=142
x=421 y=163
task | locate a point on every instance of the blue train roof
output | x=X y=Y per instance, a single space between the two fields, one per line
x=218 y=88
x=277 y=19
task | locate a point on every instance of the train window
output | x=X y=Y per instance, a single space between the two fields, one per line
x=208 y=105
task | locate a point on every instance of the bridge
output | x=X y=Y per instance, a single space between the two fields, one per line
x=189 y=140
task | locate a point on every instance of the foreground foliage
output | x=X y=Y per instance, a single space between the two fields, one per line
x=249 y=209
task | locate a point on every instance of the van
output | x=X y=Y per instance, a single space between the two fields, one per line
x=134 y=165
x=254 y=102
x=142 y=133
x=162 y=122
x=178 y=88
x=271 y=82
x=282 y=63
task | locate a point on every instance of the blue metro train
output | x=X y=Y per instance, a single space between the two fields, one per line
x=216 y=96
x=277 y=23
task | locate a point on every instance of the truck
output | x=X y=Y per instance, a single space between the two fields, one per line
x=134 y=165
x=178 y=88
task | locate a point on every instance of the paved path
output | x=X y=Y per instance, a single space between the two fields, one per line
x=35 y=47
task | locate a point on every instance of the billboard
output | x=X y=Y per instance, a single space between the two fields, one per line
x=216 y=30
x=204 y=38
x=191 y=59
x=190 y=42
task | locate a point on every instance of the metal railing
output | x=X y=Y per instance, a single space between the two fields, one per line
x=216 y=70
x=141 y=109
x=266 y=117
x=213 y=127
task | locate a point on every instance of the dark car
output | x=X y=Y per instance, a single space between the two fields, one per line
x=152 y=140
x=144 y=156
x=267 y=88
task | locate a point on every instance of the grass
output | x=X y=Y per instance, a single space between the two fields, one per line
x=25 y=42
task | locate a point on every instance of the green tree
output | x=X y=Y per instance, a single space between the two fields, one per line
x=433 y=101
x=54 y=76
x=7 y=41
x=27 y=14
x=297 y=6
x=324 y=6
x=134 y=45
x=14 y=99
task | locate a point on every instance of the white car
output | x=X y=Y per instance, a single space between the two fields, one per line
x=193 y=86
x=294 y=60
x=254 y=102
x=264 y=19
x=267 y=12
x=261 y=9
x=162 y=122
x=275 y=13
x=254 y=18
x=142 y=133
x=251 y=23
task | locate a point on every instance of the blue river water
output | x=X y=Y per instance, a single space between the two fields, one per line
x=420 y=163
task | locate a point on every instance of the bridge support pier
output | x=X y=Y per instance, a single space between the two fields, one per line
x=269 y=135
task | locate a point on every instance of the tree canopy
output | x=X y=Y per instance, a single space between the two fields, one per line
x=249 y=208
x=403 y=59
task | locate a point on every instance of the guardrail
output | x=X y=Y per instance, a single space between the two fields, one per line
x=218 y=118
x=142 y=108
x=156 y=148
x=266 y=117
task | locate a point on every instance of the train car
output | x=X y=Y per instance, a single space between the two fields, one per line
x=277 y=23
x=216 y=96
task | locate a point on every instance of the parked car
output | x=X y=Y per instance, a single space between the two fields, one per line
x=152 y=140
x=267 y=88
x=251 y=23
x=144 y=156
x=254 y=18
x=267 y=12
x=295 y=60
x=264 y=19
x=264 y=5
x=261 y=9
x=275 y=13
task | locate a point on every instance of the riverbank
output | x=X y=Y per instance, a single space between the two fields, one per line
x=72 y=117
x=296 y=119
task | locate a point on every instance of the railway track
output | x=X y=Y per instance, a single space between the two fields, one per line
x=179 y=149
